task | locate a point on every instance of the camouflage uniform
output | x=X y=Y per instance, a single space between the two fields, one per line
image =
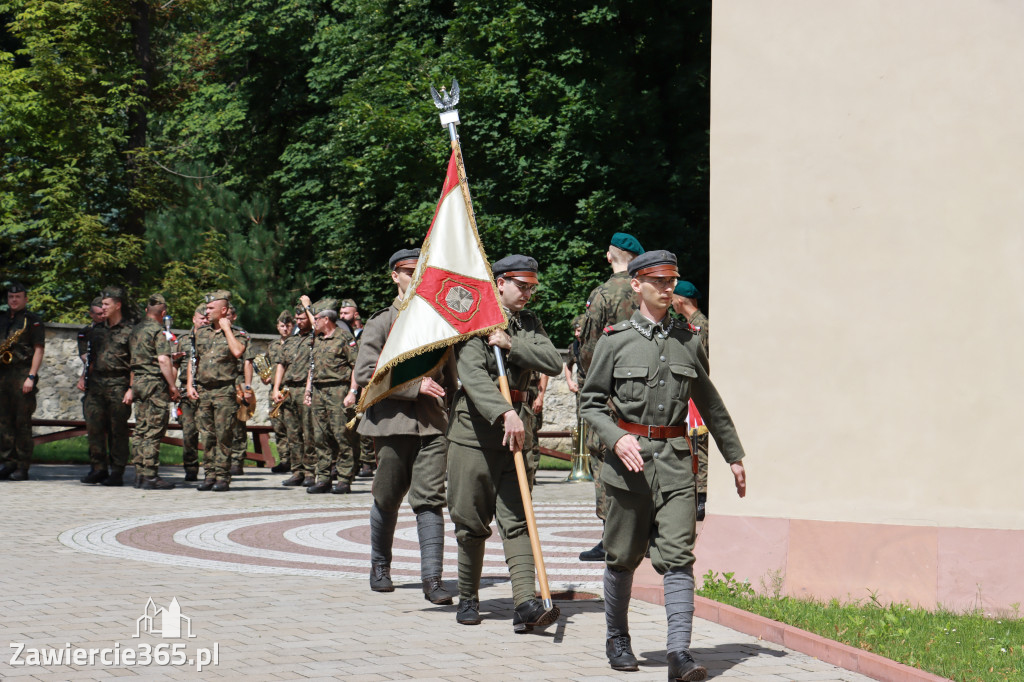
x=85 y=338
x=188 y=408
x=612 y=302
x=217 y=370
x=239 y=436
x=296 y=415
x=280 y=426
x=334 y=358
x=16 y=408
x=152 y=397
x=105 y=411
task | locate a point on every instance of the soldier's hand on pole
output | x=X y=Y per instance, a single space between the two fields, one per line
x=740 y=474
x=500 y=338
x=515 y=432
x=628 y=450
x=430 y=387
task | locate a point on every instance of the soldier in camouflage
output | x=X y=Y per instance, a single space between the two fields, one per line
x=108 y=396
x=240 y=437
x=285 y=326
x=330 y=395
x=153 y=387
x=291 y=375
x=364 y=455
x=19 y=374
x=608 y=304
x=219 y=347
x=644 y=372
x=684 y=303
x=187 y=407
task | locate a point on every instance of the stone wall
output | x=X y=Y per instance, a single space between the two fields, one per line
x=59 y=398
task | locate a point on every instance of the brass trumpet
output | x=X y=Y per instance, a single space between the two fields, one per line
x=276 y=410
x=581 y=456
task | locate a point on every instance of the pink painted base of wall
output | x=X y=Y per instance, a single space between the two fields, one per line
x=955 y=568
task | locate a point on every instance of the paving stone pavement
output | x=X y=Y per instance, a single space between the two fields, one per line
x=275 y=581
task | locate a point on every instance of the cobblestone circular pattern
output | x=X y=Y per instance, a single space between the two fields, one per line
x=327 y=543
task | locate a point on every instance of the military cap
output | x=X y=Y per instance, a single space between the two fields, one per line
x=156 y=299
x=348 y=303
x=97 y=302
x=518 y=267
x=325 y=304
x=286 y=317
x=201 y=309
x=405 y=257
x=654 y=264
x=300 y=310
x=578 y=321
x=627 y=242
x=15 y=287
x=686 y=289
x=116 y=293
x=218 y=295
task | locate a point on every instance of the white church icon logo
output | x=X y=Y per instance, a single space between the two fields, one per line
x=170 y=621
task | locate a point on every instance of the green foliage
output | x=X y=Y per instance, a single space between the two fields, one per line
x=960 y=646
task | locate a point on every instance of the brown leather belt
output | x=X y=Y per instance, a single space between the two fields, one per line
x=653 y=432
x=517 y=396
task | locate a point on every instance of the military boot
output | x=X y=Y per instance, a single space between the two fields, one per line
x=20 y=475
x=320 y=487
x=281 y=468
x=114 y=480
x=191 y=474
x=596 y=553
x=156 y=483
x=95 y=476
x=532 y=614
x=207 y=484
x=469 y=611
x=8 y=469
x=380 y=577
x=620 y=654
x=221 y=486
x=682 y=667
x=434 y=592
x=341 y=488
x=296 y=479
x=237 y=469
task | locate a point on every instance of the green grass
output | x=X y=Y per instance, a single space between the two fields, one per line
x=554 y=464
x=76 y=451
x=961 y=646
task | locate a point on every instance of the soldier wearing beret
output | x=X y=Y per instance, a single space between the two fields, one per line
x=684 y=303
x=23 y=339
x=291 y=375
x=330 y=394
x=285 y=327
x=648 y=368
x=612 y=302
x=408 y=427
x=187 y=407
x=153 y=386
x=108 y=397
x=219 y=348
x=483 y=431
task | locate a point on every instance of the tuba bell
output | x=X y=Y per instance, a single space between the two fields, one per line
x=581 y=456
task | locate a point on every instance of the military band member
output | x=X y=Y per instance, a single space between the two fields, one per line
x=330 y=396
x=649 y=367
x=22 y=338
x=153 y=387
x=684 y=302
x=483 y=432
x=188 y=407
x=219 y=347
x=240 y=437
x=291 y=374
x=285 y=327
x=85 y=335
x=610 y=303
x=108 y=397
x=408 y=427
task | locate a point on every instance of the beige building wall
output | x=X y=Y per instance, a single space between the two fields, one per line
x=867 y=259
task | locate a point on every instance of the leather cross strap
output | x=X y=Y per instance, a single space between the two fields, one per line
x=653 y=432
x=517 y=396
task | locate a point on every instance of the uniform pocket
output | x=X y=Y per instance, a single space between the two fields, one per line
x=630 y=382
x=682 y=375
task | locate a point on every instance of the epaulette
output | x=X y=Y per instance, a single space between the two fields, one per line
x=621 y=326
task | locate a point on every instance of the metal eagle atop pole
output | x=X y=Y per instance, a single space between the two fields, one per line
x=446 y=102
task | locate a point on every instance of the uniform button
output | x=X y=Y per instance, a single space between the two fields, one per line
x=629 y=374
x=661 y=408
x=662 y=358
x=661 y=383
x=655 y=455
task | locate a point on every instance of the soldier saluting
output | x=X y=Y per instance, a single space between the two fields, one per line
x=649 y=367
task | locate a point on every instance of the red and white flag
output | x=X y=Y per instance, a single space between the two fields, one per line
x=451 y=298
x=694 y=422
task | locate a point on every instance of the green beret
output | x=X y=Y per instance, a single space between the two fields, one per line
x=627 y=242
x=218 y=295
x=686 y=290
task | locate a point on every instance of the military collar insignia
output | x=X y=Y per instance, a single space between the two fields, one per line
x=648 y=329
x=514 y=320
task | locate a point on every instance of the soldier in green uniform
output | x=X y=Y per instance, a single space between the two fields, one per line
x=239 y=437
x=85 y=335
x=153 y=388
x=365 y=455
x=108 y=397
x=330 y=395
x=408 y=427
x=219 y=347
x=612 y=302
x=291 y=375
x=483 y=431
x=285 y=327
x=684 y=303
x=187 y=407
x=22 y=341
x=648 y=368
